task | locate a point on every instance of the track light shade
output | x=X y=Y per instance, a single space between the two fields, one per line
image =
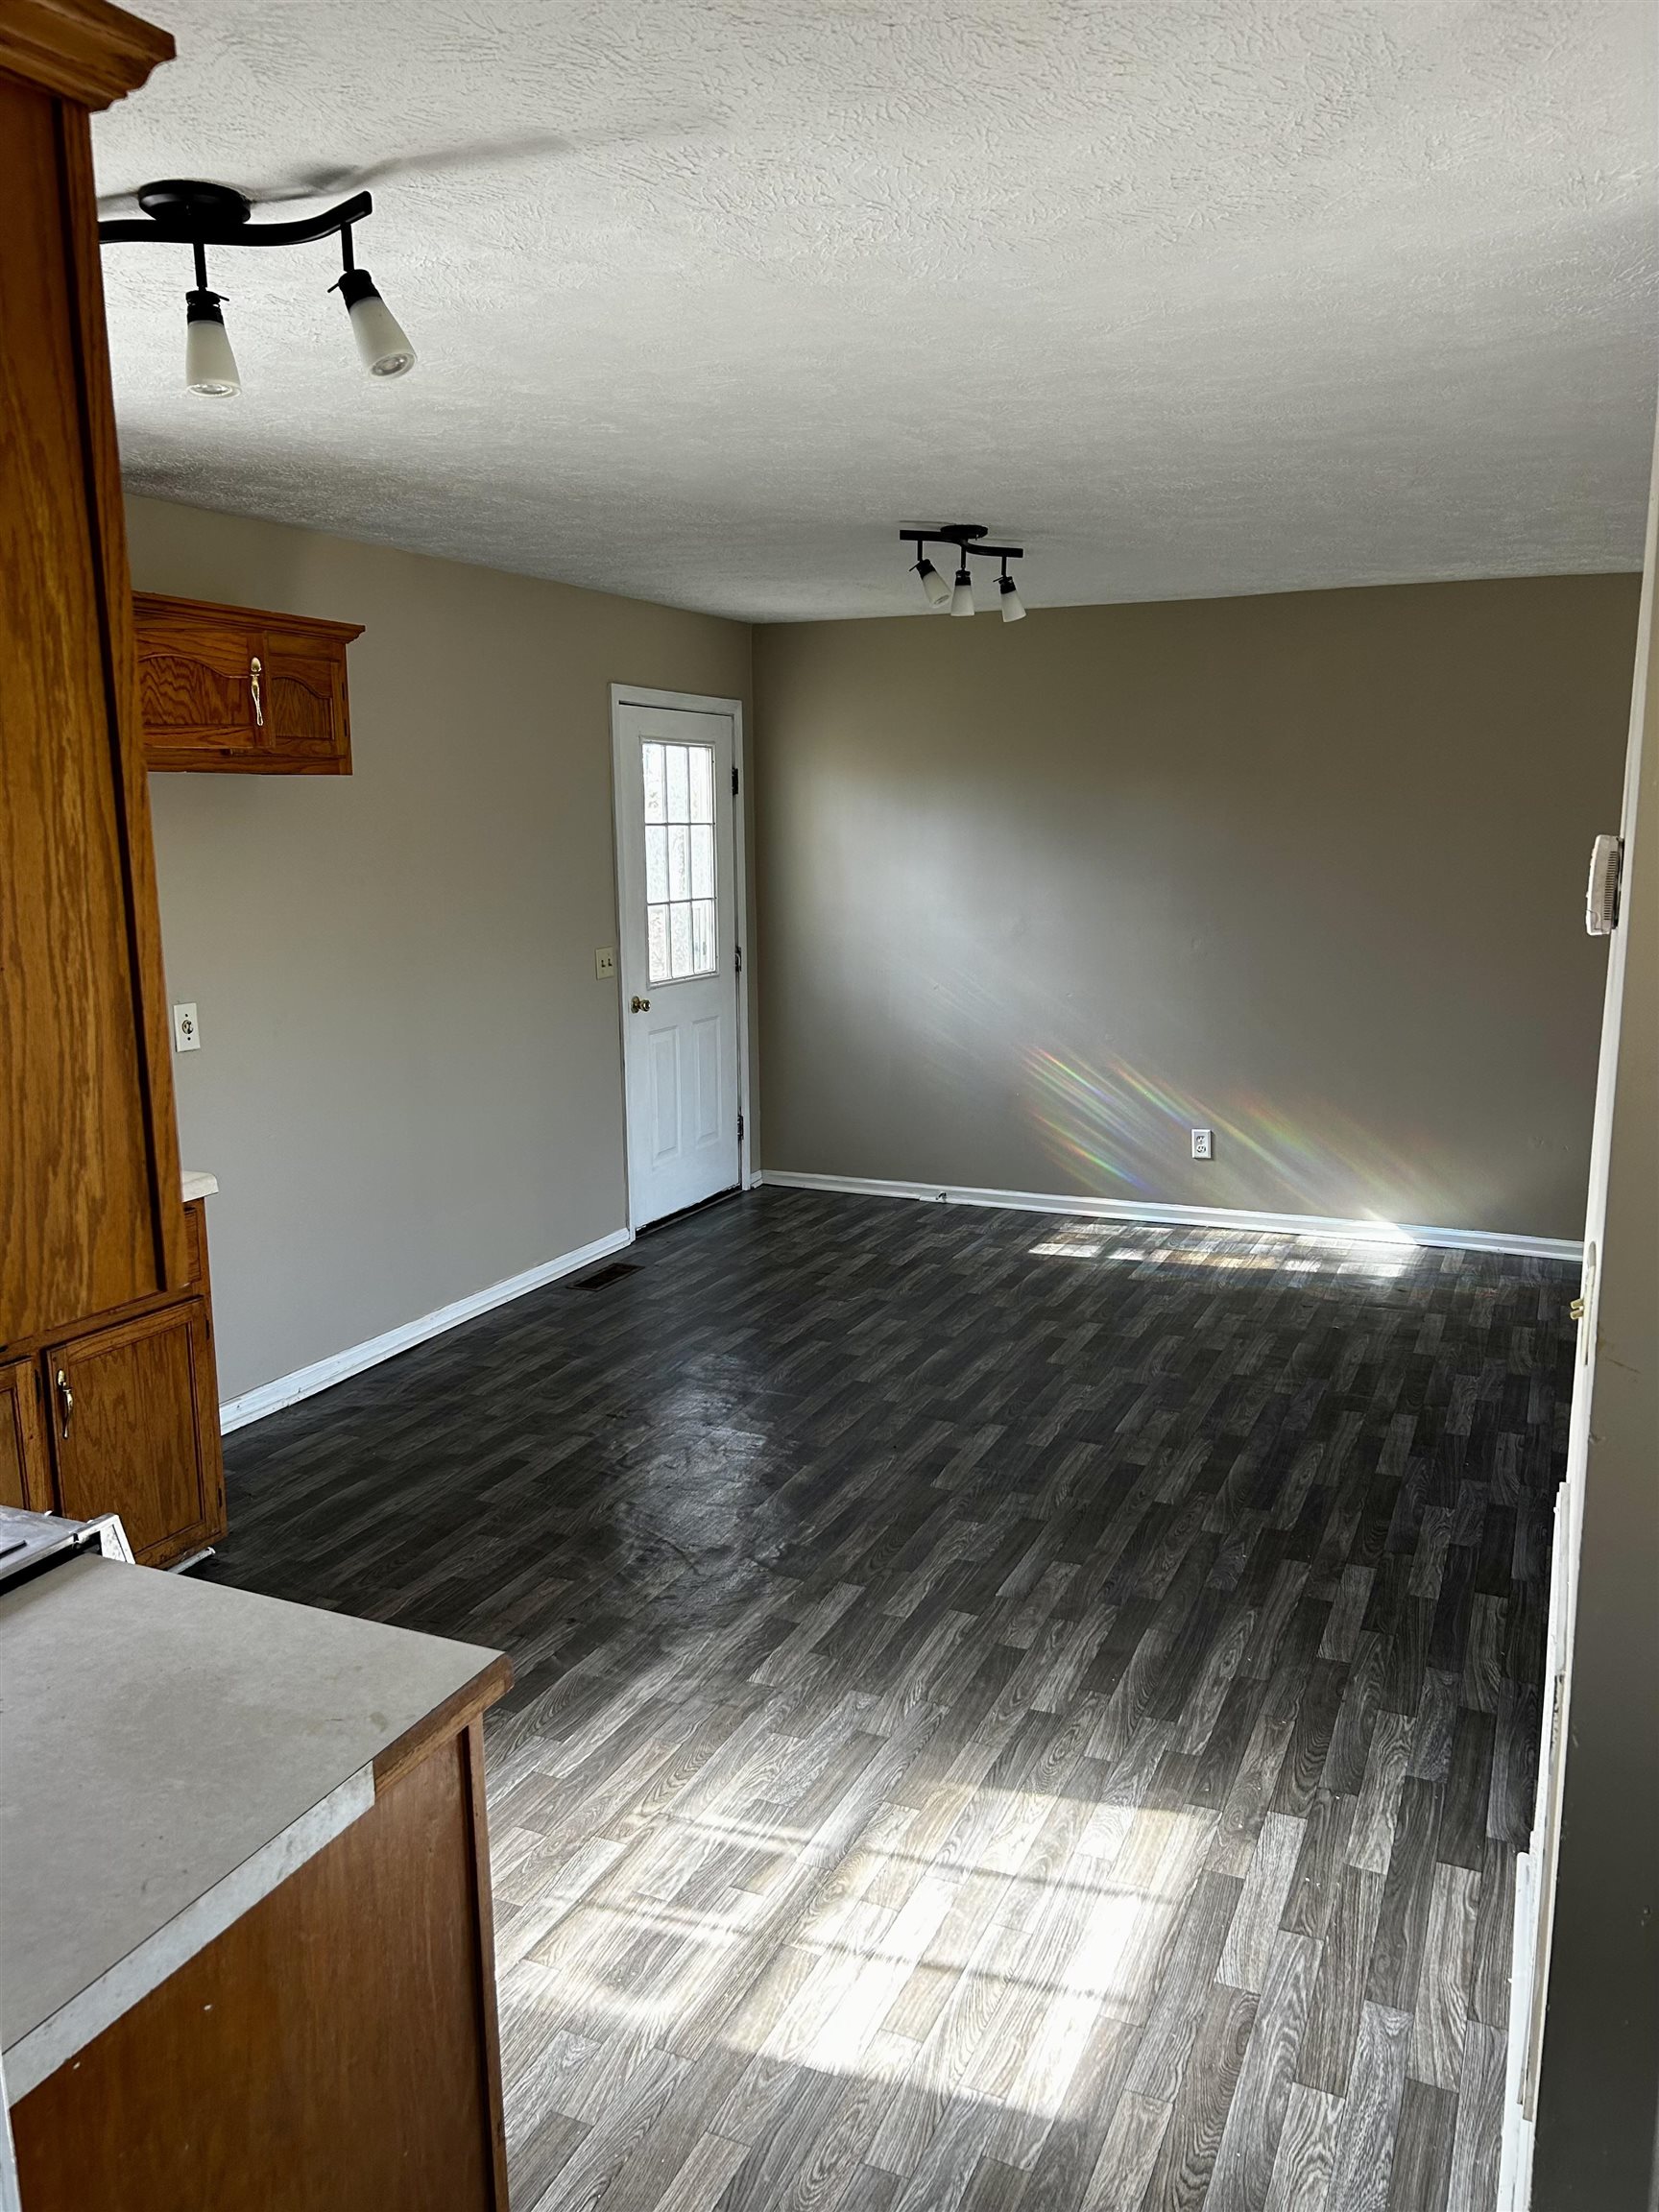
x=1013 y=608
x=381 y=339
x=209 y=365
x=932 y=583
x=962 y=592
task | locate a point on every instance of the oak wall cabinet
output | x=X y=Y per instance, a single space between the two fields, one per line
x=231 y=690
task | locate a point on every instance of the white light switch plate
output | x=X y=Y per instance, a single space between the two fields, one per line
x=605 y=963
x=1203 y=1145
x=186 y=1032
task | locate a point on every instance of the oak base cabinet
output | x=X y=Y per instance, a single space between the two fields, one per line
x=334 y=2050
x=135 y=1430
x=121 y=1415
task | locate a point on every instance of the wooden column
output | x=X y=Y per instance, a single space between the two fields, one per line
x=91 y=1215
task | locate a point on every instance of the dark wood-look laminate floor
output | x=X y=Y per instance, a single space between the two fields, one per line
x=1013 y=1714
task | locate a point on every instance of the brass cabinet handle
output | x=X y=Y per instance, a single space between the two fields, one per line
x=66 y=1405
x=640 y=1006
x=253 y=675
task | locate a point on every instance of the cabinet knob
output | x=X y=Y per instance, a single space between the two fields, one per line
x=640 y=1006
x=66 y=1405
x=253 y=674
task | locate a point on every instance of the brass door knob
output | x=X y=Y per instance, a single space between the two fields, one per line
x=640 y=1006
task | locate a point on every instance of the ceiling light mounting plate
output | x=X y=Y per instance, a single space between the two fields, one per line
x=966 y=537
x=961 y=533
x=189 y=208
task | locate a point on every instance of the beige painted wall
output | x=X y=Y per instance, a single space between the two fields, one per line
x=1308 y=870
x=409 y=1081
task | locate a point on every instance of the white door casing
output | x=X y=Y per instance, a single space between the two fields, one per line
x=678 y=901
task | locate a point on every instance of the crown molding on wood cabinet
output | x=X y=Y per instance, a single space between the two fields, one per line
x=81 y=50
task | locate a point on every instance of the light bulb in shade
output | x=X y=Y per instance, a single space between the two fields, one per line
x=962 y=592
x=209 y=365
x=932 y=583
x=381 y=341
x=1013 y=609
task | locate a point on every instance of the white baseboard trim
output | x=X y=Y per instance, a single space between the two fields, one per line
x=322 y=1373
x=1313 y=1225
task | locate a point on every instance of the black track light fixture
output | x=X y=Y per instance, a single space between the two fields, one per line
x=967 y=538
x=187 y=211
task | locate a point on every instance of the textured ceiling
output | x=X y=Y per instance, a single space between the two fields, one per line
x=1208 y=297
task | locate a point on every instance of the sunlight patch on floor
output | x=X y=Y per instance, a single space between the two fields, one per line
x=990 y=1948
x=1379 y=1259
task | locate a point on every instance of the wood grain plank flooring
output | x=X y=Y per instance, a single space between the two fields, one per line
x=1012 y=1714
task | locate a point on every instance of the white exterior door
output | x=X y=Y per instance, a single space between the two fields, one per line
x=678 y=918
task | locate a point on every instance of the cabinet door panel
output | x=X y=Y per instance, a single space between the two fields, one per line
x=197 y=684
x=307 y=711
x=127 y=1430
x=25 y=1467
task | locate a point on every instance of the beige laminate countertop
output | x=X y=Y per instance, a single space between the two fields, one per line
x=170 y=1750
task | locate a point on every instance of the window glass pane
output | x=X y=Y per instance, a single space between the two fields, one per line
x=657 y=863
x=702 y=863
x=655 y=792
x=703 y=937
x=702 y=792
x=680 y=880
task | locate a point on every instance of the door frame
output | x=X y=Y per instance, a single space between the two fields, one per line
x=690 y=703
x=1609 y=1440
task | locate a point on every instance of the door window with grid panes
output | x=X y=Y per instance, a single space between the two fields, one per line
x=679 y=934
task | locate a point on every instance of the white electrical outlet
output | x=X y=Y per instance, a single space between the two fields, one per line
x=186 y=1031
x=605 y=963
x=1203 y=1144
